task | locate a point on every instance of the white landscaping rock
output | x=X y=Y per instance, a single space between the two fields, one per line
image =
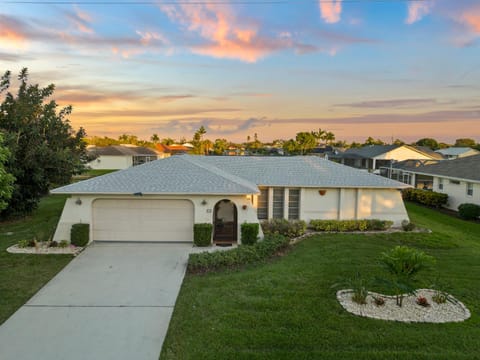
x=450 y=311
x=43 y=250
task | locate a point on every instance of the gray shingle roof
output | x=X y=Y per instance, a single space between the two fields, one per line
x=187 y=174
x=455 y=151
x=372 y=151
x=369 y=151
x=119 y=150
x=467 y=168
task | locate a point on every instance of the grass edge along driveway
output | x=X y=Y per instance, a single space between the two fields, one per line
x=22 y=275
x=286 y=309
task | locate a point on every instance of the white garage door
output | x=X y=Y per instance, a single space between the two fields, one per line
x=142 y=220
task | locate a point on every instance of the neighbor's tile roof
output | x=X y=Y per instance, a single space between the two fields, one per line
x=187 y=174
x=467 y=168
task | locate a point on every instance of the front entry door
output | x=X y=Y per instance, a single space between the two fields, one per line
x=225 y=222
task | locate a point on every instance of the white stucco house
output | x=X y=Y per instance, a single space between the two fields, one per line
x=373 y=157
x=458 y=178
x=161 y=200
x=122 y=156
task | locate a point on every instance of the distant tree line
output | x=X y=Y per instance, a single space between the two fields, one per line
x=39 y=149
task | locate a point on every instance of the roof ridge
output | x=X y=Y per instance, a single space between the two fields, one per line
x=219 y=172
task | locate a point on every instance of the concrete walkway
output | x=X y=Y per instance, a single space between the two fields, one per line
x=114 y=301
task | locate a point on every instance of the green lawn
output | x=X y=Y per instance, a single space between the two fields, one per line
x=287 y=309
x=22 y=275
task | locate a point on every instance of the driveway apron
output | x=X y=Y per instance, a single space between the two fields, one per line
x=114 y=301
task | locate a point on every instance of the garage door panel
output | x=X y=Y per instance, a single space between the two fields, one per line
x=142 y=220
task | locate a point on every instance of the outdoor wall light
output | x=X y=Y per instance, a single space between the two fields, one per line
x=204 y=202
x=78 y=201
x=322 y=192
x=244 y=207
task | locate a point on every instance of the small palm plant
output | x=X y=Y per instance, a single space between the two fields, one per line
x=403 y=264
x=358 y=285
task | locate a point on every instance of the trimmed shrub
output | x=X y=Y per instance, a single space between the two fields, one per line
x=79 y=234
x=408 y=225
x=249 y=232
x=239 y=256
x=202 y=234
x=288 y=228
x=469 y=211
x=425 y=197
x=350 y=225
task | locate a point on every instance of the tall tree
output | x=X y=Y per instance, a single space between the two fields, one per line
x=168 y=141
x=154 y=138
x=220 y=146
x=428 y=142
x=371 y=141
x=197 y=142
x=44 y=149
x=6 y=179
x=465 y=142
x=306 y=141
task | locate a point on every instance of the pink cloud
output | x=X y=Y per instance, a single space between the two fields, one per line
x=81 y=20
x=330 y=10
x=224 y=34
x=417 y=10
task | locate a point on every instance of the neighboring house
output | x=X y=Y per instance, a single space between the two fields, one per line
x=116 y=157
x=161 y=200
x=459 y=178
x=405 y=171
x=457 y=152
x=174 y=149
x=373 y=157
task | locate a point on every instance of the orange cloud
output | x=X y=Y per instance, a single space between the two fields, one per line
x=472 y=19
x=417 y=10
x=11 y=32
x=330 y=10
x=226 y=36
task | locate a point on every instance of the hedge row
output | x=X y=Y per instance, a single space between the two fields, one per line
x=425 y=197
x=350 y=225
x=239 y=256
x=288 y=228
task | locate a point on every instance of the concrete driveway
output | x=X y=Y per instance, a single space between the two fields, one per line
x=114 y=301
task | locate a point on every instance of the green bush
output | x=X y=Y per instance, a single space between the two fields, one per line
x=425 y=197
x=288 y=228
x=469 y=211
x=350 y=225
x=63 y=244
x=249 y=233
x=80 y=234
x=202 y=234
x=239 y=256
x=408 y=225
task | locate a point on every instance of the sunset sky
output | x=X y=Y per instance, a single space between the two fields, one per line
x=387 y=69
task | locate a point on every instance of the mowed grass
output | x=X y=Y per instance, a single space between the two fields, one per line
x=286 y=309
x=22 y=275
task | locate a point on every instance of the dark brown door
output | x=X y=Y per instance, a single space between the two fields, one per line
x=225 y=222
